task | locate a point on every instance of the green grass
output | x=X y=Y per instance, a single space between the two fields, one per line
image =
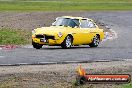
x=98 y=0
x=80 y=0
x=10 y=36
x=127 y=85
x=65 y=5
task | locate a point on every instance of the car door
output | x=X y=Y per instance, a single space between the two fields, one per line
x=85 y=31
x=74 y=30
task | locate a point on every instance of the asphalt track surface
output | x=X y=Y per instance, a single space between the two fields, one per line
x=117 y=49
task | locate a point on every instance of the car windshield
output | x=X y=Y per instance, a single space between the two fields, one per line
x=66 y=22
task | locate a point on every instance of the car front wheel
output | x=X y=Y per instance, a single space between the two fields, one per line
x=36 y=45
x=95 y=41
x=67 y=43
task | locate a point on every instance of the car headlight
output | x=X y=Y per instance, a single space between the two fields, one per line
x=33 y=31
x=60 y=34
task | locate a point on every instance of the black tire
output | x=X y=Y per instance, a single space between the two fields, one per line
x=36 y=45
x=95 y=41
x=67 y=43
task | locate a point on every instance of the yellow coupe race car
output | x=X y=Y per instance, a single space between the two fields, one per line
x=67 y=31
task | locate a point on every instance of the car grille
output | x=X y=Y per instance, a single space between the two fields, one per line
x=45 y=36
x=39 y=36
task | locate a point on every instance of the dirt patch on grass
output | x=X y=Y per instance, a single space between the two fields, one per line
x=59 y=76
x=32 y=20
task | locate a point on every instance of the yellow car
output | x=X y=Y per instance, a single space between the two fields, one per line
x=68 y=31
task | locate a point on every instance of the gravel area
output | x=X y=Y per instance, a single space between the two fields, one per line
x=29 y=20
x=32 y=20
x=59 y=75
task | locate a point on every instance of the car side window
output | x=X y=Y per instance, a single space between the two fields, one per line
x=91 y=24
x=73 y=22
x=84 y=23
x=87 y=24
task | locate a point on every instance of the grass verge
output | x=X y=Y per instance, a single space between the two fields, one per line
x=13 y=36
x=127 y=85
x=70 y=5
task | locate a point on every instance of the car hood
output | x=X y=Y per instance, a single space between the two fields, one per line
x=50 y=30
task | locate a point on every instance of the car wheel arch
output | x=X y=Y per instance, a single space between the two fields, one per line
x=98 y=35
x=70 y=36
x=95 y=36
x=64 y=43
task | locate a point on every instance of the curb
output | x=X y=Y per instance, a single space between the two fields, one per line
x=8 y=47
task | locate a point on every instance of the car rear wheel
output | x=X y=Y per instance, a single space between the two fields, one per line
x=36 y=45
x=95 y=41
x=67 y=43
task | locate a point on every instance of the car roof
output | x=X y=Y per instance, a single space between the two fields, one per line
x=71 y=17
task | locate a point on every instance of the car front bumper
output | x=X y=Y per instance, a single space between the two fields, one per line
x=48 y=42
